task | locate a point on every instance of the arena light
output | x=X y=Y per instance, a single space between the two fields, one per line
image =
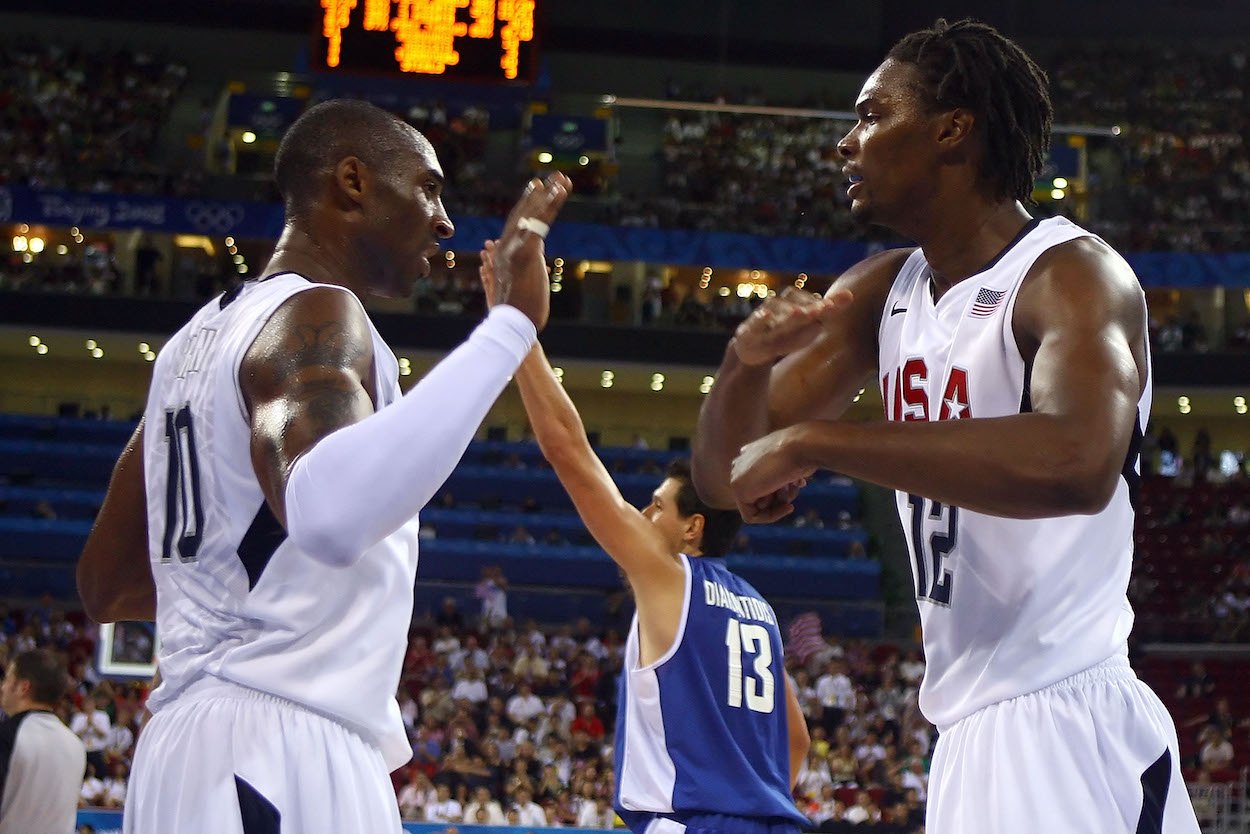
x=34 y=341
x=857 y=396
x=23 y=229
x=583 y=160
x=20 y=243
x=62 y=249
x=559 y=372
x=242 y=269
x=723 y=291
x=73 y=231
x=657 y=382
x=238 y=259
x=150 y=356
x=91 y=344
x=27 y=257
x=248 y=137
x=230 y=241
x=745 y=290
x=544 y=157
x=97 y=353
x=706 y=385
x=1239 y=405
x=36 y=245
x=41 y=349
x=558 y=262
x=1182 y=404
x=1057 y=194
x=606 y=379
x=1059 y=182
x=556 y=287
x=144 y=347
x=801 y=280
x=1115 y=130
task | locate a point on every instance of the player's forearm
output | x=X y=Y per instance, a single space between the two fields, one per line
x=1022 y=466
x=113 y=574
x=557 y=426
x=363 y=482
x=734 y=413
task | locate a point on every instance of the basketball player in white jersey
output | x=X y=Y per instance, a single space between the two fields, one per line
x=270 y=494
x=709 y=733
x=1012 y=360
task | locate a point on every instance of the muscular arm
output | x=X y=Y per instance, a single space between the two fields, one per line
x=339 y=477
x=1082 y=312
x=113 y=574
x=796 y=725
x=628 y=537
x=817 y=381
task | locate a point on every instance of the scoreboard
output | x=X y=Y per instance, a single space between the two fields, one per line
x=467 y=40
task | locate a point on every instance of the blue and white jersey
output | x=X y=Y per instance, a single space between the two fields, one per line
x=702 y=730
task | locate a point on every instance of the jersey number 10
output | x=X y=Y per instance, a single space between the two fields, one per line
x=183 y=509
x=752 y=639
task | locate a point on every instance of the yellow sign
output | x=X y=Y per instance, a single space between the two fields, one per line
x=428 y=35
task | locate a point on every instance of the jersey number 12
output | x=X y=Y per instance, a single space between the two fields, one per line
x=183 y=510
x=753 y=639
x=935 y=585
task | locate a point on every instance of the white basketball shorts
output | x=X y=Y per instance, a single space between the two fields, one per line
x=224 y=759
x=1095 y=753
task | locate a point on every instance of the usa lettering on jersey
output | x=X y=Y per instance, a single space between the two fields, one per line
x=906 y=391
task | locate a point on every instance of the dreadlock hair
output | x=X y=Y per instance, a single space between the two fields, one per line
x=970 y=64
x=720 y=527
x=327 y=133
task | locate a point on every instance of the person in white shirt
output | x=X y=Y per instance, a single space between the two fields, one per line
x=836 y=695
x=92 y=792
x=91 y=724
x=416 y=795
x=911 y=669
x=915 y=778
x=1216 y=750
x=41 y=761
x=529 y=813
x=595 y=813
x=470 y=687
x=115 y=786
x=444 y=808
x=119 y=740
x=483 y=801
x=524 y=705
x=863 y=810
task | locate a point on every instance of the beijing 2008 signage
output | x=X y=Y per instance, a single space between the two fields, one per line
x=468 y=40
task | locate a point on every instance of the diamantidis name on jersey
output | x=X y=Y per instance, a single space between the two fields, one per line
x=748 y=608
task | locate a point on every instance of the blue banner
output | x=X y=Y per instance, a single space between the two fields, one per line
x=570 y=240
x=110 y=822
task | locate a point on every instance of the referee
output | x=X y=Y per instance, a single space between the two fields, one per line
x=41 y=761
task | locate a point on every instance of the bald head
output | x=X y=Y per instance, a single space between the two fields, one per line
x=328 y=133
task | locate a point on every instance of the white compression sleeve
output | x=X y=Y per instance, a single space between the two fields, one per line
x=363 y=482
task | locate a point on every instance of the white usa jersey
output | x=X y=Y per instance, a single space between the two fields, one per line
x=1008 y=606
x=235 y=598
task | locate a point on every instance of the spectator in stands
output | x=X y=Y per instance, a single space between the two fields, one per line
x=416 y=794
x=529 y=813
x=588 y=722
x=492 y=590
x=91 y=724
x=484 y=809
x=92 y=792
x=1216 y=750
x=115 y=786
x=863 y=811
x=444 y=808
x=836 y=695
x=524 y=705
x=1197 y=684
x=470 y=686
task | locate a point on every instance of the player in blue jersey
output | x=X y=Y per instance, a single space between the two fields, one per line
x=709 y=734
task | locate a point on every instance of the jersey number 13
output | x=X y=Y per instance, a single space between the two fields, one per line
x=746 y=638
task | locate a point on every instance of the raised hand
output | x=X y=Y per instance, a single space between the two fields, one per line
x=517 y=269
x=786 y=323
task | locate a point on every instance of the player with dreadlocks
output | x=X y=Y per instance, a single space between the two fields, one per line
x=1011 y=355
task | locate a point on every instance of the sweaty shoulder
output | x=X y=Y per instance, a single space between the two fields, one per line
x=1083 y=278
x=322 y=327
x=871 y=278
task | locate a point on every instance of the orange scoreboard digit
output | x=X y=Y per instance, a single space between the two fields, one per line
x=469 y=40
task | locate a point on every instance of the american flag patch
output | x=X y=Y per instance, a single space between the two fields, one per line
x=987 y=302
